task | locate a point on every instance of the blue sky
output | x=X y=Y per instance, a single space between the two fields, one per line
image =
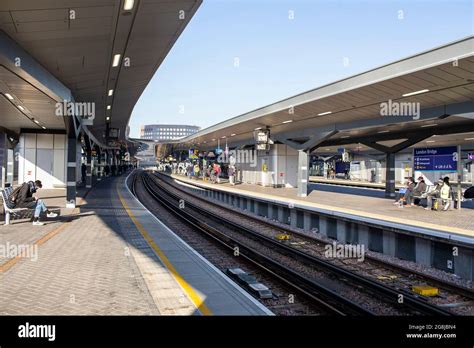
x=200 y=84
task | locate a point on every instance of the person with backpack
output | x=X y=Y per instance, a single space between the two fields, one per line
x=22 y=197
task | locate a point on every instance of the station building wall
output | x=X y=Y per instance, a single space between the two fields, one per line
x=42 y=157
x=277 y=168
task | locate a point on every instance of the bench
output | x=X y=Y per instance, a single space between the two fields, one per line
x=8 y=211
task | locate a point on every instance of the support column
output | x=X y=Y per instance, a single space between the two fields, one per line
x=99 y=167
x=390 y=175
x=10 y=166
x=71 y=172
x=303 y=161
x=459 y=186
x=3 y=159
x=89 y=168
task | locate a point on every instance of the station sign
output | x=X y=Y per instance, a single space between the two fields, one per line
x=193 y=153
x=443 y=159
x=262 y=138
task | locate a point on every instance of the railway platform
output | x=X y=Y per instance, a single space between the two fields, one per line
x=451 y=222
x=109 y=256
x=413 y=234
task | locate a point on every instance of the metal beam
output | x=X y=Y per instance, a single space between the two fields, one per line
x=439 y=130
x=311 y=144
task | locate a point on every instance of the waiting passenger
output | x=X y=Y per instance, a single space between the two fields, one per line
x=196 y=171
x=217 y=170
x=24 y=198
x=433 y=194
x=406 y=195
x=419 y=190
x=231 y=173
x=83 y=173
x=445 y=193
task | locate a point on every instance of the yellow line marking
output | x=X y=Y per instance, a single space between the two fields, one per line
x=386 y=218
x=188 y=289
x=11 y=262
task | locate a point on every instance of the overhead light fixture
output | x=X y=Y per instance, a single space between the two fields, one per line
x=108 y=107
x=9 y=96
x=430 y=141
x=111 y=91
x=108 y=118
x=224 y=137
x=21 y=108
x=288 y=121
x=128 y=5
x=204 y=142
x=213 y=139
x=345 y=136
x=416 y=92
x=36 y=121
x=43 y=127
x=429 y=125
x=325 y=113
x=328 y=150
x=468 y=138
x=116 y=60
x=258 y=128
x=383 y=131
x=232 y=135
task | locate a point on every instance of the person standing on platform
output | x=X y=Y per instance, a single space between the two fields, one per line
x=196 y=170
x=231 y=173
x=83 y=173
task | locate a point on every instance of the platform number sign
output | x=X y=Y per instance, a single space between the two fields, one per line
x=442 y=159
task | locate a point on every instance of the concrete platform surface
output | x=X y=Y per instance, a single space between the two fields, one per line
x=442 y=223
x=101 y=259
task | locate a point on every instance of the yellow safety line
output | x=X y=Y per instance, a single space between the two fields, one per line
x=188 y=289
x=11 y=262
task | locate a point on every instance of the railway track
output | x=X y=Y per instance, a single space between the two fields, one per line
x=319 y=295
x=404 y=277
x=411 y=304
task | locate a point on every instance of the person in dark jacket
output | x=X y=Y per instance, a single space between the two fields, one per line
x=25 y=199
x=83 y=173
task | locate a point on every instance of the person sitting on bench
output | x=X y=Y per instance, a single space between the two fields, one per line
x=433 y=194
x=446 y=193
x=406 y=195
x=418 y=191
x=23 y=198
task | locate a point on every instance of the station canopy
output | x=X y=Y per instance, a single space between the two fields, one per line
x=53 y=51
x=433 y=90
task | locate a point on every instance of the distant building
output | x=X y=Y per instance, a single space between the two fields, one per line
x=166 y=132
